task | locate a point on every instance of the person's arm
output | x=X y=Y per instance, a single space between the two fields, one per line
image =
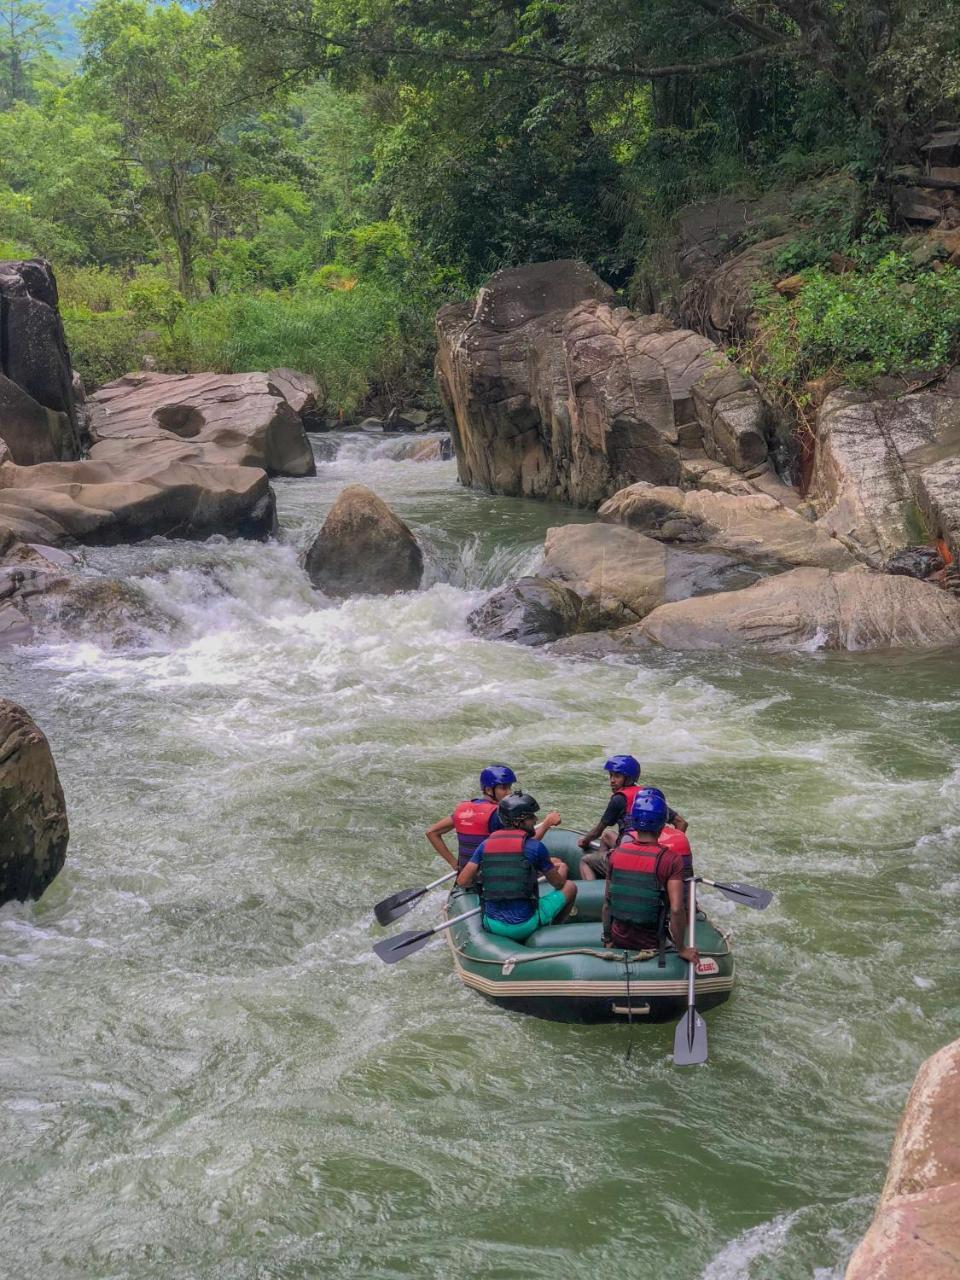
x=676 y=820
x=614 y=812
x=434 y=835
x=676 y=895
x=551 y=820
x=469 y=873
x=553 y=874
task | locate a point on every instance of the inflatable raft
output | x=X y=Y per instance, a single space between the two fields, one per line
x=564 y=973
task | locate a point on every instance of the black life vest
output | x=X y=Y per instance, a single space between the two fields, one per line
x=635 y=891
x=471 y=821
x=505 y=873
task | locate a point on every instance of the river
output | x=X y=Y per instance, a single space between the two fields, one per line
x=206 y=1072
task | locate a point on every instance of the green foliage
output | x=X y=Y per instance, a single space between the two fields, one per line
x=890 y=317
x=103 y=344
x=155 y=302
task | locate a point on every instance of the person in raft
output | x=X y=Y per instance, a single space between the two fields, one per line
x=624 y=774
x=509 y=862
x=645 y=887
x=473 y=820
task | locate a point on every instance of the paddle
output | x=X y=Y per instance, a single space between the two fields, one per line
x=690 y=1041
x=745 y=894
x=398 y=904
x=390 y=950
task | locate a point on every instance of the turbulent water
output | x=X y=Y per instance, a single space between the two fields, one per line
x=206 y=1072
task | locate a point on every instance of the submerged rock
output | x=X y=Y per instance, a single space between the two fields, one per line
x=363 y=548
x=33 y=817
x=752 y=528
x=533 y=611
x=916 y=1230
x=812 y=609
x=915 y=562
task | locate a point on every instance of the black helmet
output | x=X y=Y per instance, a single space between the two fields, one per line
x=514 y=808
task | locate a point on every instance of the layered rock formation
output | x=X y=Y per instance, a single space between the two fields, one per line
x=239 y=419
x=554 y=392
x=33 y=817
x=38 y=417
x=916 y=1230
x=363 y=548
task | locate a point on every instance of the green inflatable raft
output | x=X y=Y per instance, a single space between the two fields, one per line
x=563 y=972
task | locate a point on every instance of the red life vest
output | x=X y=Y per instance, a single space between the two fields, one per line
x=506 y=874
x=635 y=891
x=629 y=794
x=677 y=842
x=471 y=821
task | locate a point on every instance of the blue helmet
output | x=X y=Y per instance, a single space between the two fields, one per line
x=629 y=766
x=497 y=775
x=649 y=810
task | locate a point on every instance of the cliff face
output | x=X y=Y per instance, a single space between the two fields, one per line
x=554 y=392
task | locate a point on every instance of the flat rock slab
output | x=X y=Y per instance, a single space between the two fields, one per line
x=751 y=528
x=621 y=575
x=103 y=502
x=241 y=419
x=810 y=609
x=33 y=814
x=916 y=1230
x=363 y=548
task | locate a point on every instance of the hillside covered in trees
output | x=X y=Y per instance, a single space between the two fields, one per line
x=259 y=182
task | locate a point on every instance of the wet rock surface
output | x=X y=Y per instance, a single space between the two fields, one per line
x=532 y=611
x=363 y=549
x=33 y=820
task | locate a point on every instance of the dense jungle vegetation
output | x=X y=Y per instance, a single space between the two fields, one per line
x=303 y=182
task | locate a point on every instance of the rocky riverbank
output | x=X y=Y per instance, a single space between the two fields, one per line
x=553 y=391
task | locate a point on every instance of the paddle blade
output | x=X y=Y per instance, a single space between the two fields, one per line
x=746 y=895
x=397 y=905
x=690 y=1041
x=390 y=950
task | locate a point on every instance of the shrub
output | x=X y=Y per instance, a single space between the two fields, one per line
x=103 y=344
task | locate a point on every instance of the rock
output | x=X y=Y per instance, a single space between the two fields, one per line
x=623 y=643
x=240 y=419
x=302 y=393
x=33 y=355
x=552 y=391
x=370 y=424
x=751 y=528
x=31 y=432
x=733 y=418
x=916 y=1230
x=33 y=818
x=721 y=302
x=110 y=611
x=812 y=609
x=363 y=549
x=880 y=466
x=915 y=562
x=532 y=611
x=621 y=576
x=101 y=502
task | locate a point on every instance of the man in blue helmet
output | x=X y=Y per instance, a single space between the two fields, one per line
x=510 y=862
x=475 y=819
x=624 y=771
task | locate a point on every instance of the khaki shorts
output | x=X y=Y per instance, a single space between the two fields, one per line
x=597 y=860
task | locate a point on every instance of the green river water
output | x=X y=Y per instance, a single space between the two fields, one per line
x=206 y=1072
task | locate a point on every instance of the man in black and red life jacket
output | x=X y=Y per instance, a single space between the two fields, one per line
x=510 y=861
x=473 y=820
x=645 y=889
x=624 y=774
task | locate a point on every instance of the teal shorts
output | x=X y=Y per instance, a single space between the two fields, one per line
x=549 y=907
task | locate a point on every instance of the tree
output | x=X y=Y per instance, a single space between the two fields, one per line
x=26 y=30
x=172 y=86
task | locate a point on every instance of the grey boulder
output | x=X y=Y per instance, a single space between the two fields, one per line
x=363 y=548
x=33 y=815
x=532 y=611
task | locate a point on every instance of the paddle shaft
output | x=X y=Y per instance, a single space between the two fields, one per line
x=691 y=941
x=442 y=880
x=447 y=924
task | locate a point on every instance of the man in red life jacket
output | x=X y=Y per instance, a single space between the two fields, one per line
x=473 y=820
x=624 y=774
x=645 y=886
x=510 y=861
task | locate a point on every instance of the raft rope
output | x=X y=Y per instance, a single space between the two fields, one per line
x=511 y=962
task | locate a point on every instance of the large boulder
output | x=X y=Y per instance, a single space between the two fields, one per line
x=811 y=609
x=883 y=467
x=33 y=814
x=620 y=576
x=100 y=502
x=363 y=549
x=241 y=419
x=752 y=528
x=553 y=391
x=302 y=393
x=916 y=1230
x=532 y=611
x=38 y=416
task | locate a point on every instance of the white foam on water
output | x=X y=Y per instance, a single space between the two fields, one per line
x=764 y=1242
